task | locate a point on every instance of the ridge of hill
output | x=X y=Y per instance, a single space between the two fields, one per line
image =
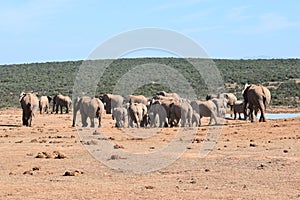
x=281 y=76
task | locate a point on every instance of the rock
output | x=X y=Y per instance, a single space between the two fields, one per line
x=40 y=155
x=36 y=168
x=149 y=187
x=118 y=146
x=29 y=172
x=115 y=157
x=73 y=173
x=252 y=145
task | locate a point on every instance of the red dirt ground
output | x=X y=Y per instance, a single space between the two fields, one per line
x=249 y=161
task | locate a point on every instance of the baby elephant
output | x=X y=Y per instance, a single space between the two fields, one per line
x=238 y=107
x=121 y=116
x=44 y=104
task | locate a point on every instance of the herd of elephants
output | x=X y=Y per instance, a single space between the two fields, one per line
x=162 y=110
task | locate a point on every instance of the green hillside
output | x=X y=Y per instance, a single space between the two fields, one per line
x=280 y=75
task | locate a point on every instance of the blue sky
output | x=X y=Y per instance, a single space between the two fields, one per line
x=60 y=30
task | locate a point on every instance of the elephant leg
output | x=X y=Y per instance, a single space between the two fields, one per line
x=61 y=108
x=251 y=113
x=83 y=119
x=24 y=120
x=183 y=121
x=30 y=118
x=99 y=121
x=67 y=109
x=56 y=108
x=262 y=112
x=213 y=117
x=92 y=120
x=245 y=111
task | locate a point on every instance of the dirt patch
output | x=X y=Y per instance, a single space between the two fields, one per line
x=248 y=161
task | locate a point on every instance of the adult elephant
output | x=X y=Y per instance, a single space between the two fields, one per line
x=138 y=99
x=181 y=111
x=138 y=114
x=157 y=113
x=170 y=95
x=29 y=103
x=44 y=104
x=221 y=104
x=256 y=97
x=111 y=101
x=160 y=109
x=120 y=114
x=89 y=108
x=231 y=99
x=205 y=109
x=60 y=101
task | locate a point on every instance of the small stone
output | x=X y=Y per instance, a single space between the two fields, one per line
x=285 y=151
x=115 y=157
x=29 y=172
x=149 y=187
x=36 y=168
x=252 y=145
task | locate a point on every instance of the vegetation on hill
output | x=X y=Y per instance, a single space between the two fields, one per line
x=280 y=75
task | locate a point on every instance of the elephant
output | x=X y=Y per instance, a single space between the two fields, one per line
x=44 y=104
x=138 y=114
x=231 y=99
x=221 y=104
x=238 y=108
x=211 y=96
x=138 y=99
x=180 y=111
x=162 y=109
x=29 y=103
x=170 y=95
x=205 y=109
x=89 y=108
x=120 y=114
x=158 y=112
x=258 y=97
x=61 y=101
x=111 y=101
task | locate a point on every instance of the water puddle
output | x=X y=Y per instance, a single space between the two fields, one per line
x=275 y=115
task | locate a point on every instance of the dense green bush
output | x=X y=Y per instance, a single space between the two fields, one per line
x=53 y=77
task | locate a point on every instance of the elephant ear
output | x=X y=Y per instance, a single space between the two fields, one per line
x=22 y=95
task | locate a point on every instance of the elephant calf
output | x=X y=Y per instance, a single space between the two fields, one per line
x=121 y=116
x=238 y=108
x=44 y=104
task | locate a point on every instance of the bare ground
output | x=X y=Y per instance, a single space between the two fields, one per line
x=249 y=161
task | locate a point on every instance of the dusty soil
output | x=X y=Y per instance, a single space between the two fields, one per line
x=48 y=161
